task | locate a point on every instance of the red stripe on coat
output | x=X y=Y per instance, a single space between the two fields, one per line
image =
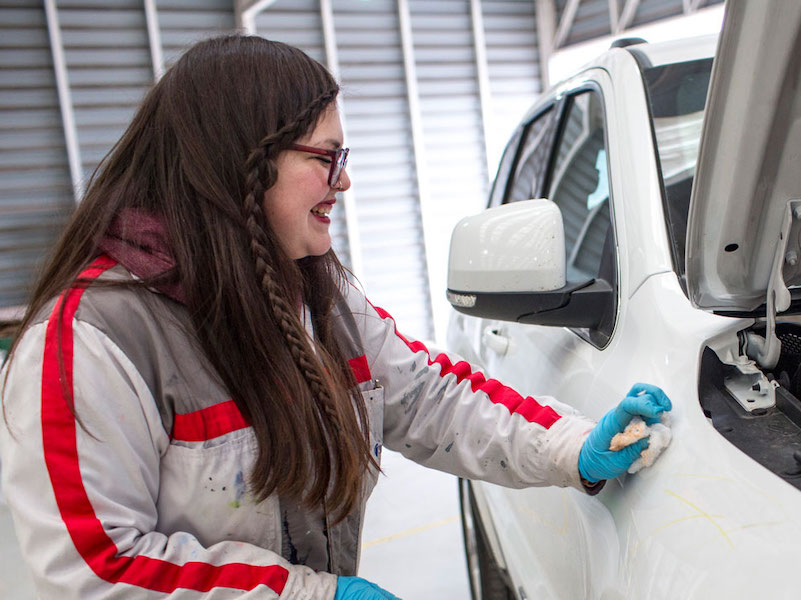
x=219 y=419
x=59 y=438
x=208 y=423
x=528 y=407
x=360 y=368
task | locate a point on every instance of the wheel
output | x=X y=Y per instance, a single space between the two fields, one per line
x=487 y=580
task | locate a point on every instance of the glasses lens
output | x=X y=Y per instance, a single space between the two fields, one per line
x=337 y=166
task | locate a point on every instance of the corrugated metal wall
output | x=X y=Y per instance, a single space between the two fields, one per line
x=182 y=22
x=454 y=150
x=35 y=189
x=513 y=60
x=384 y=174
x=591 y=20
x=108 y=67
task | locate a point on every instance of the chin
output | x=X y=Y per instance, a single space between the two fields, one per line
x=317 y=251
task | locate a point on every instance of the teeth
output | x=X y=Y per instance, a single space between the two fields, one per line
x=322 y=210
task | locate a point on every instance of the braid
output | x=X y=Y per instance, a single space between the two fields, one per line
x=292 y=130
x=260 y=176
x=282 y=309
x=259 y=167
x=330 y=405
x=304 y=120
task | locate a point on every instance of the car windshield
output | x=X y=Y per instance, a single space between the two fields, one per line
x=677 y=93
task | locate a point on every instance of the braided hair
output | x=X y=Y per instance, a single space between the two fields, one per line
x=333 y=410
x=199 y=155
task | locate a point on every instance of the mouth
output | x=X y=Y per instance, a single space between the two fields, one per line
x=323 y=209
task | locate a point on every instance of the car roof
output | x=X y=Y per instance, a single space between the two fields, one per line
x=674 y=51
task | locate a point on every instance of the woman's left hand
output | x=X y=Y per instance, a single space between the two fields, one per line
x=596 y=460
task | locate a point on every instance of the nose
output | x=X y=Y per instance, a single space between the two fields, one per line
x=344 y=181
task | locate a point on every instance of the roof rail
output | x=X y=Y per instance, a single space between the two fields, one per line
x=627 y=41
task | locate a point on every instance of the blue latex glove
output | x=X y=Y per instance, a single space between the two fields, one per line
x=596 y=460
x=356 y=588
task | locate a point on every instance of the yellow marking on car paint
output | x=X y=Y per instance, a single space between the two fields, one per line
x=758 y=524
x=704 y=514
x=408 y=532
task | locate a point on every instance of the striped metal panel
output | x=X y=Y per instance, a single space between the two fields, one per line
x=510 y=30
x=107 y=54
x=382 y=160
x=591 y=20
x=649 y=11
x=35 y=188
x=453 y=136
x=298 y=22
x=183 y=22
x=295 y=22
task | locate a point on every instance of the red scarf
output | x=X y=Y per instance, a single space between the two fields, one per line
x=138 y=241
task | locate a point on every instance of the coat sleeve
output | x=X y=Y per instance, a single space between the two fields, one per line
x=83 y=495
x=446 y=414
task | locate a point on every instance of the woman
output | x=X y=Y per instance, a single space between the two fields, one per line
x=198 y=399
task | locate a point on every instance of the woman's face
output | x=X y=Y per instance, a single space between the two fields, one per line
x=297 y=206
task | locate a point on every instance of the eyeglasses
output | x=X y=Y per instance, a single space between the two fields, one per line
x=339 y=158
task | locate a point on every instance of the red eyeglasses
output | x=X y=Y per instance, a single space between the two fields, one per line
x=339 y=158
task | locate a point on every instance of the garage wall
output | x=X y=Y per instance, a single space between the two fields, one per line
x=107 y=56
x=35 y=189
x=105 y=51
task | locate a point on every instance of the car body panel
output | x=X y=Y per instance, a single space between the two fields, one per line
x=702 y=507
x=706 y=521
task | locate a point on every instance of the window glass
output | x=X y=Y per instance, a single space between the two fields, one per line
x=504 y=168
x=532 y=161
x=677 y=93
x=579 y=185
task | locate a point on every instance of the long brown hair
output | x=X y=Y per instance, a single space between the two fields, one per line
x=199 y=155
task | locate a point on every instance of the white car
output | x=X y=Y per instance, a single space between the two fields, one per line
x=615 y=277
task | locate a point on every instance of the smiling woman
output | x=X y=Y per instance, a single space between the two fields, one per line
x=198 y=399
x=298 y=204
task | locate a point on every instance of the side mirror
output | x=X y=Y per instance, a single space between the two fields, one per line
x=508 y=263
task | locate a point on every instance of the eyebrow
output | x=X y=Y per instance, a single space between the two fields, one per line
x=335 y=144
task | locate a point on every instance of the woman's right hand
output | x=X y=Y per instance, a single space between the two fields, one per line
x=356 y=588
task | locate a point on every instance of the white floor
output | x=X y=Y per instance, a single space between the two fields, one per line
x=412 y=542
x=412 y=538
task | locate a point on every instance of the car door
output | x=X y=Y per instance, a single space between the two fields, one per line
x=547 y=548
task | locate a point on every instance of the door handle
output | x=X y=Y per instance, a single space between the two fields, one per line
x=495 y=341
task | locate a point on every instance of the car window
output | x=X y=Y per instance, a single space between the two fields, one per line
x=676 y=95
x=504 y=168
x=532 y=158
x=579 y=185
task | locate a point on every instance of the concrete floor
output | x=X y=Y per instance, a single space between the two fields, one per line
x=412 y=542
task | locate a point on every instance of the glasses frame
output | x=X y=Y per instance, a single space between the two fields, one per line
x=339 y=159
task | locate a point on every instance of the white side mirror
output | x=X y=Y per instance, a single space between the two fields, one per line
x=517 y=247
x=508 y=263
